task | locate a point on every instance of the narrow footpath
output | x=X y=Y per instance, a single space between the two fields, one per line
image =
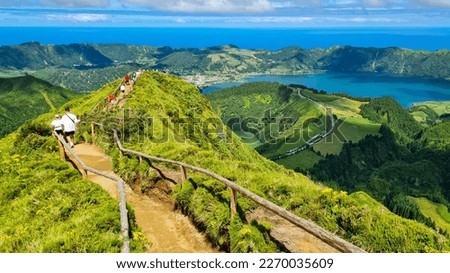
x=168 y=231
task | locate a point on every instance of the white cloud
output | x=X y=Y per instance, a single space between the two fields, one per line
x=361 y=3
x=296 y=3
x=433 y=3
x=74 y=3
x=80 y=17
x=270 y=20
x=374 y=3
x=225 y=6
x=361 y=20
x=205 y=6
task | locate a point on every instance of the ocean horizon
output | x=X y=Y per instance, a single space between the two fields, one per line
x=430 y=39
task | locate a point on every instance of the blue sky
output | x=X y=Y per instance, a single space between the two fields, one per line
x=226 y=13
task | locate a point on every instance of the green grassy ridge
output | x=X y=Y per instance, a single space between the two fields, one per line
x=349 y=129
x=175 y=108
x=377 y=165
x=229 y=101
x=437 y=212
x=24 y=98
x=46 y=206
x=352 y=127
x=429 y=112
x=307 y=119
x=276 y=116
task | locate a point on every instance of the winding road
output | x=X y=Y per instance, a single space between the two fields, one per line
x=315 y=139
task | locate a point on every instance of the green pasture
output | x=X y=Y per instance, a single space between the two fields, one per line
x=351 y=128
x=428 y=112
x=440 y=107
x=303 y=160
x=437 y=212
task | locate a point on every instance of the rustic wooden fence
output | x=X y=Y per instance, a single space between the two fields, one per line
x=83 y=168
x=310 y=227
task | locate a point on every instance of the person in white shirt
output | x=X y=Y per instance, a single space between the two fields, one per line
x=69 y=121
x=57 y=125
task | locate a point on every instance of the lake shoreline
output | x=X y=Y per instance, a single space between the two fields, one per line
x=407 y=90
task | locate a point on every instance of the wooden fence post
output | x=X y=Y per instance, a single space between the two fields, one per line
x=92 y=132
x=183 y=174
x=62 y=151
x=140 y=163
x=232 y=203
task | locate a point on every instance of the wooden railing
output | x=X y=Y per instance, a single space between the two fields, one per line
x=310 y=227
x=120 y=185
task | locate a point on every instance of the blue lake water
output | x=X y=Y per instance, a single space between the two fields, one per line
x=406 y=90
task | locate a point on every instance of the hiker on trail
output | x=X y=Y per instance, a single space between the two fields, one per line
x=69 y=125
x=122 y=88
x=127 y=79
x=57 y=125
x=111 y=99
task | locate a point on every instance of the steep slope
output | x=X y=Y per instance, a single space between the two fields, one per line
x=46 y=206
x=25 y=98
x=402 y=158
x=167 y=117
x=278 y=118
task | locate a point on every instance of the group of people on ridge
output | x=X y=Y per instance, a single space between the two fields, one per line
x=127 y=81
x=65 y=126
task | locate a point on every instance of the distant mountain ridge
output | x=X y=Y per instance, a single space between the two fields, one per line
x=84 y=67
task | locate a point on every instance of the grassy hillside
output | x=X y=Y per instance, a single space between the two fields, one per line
x=25 y=98
x=352 y=127
x=168 y=117
x=427 y=113
x=437 y=212
x=389 y=162
x=266 y=112
x=404 y=159
x=46 y=206
x=280 y=120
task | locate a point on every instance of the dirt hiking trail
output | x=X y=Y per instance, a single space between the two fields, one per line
x=169 y=231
